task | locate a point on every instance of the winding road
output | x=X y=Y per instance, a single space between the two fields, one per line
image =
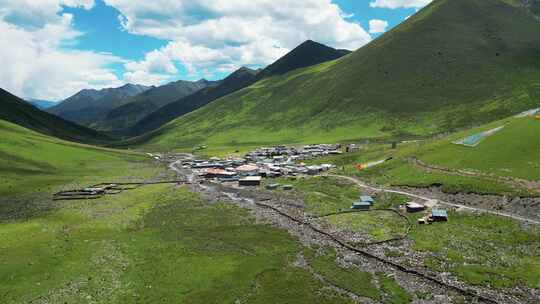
x=425 y=198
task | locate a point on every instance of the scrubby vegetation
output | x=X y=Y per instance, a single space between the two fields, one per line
x=486 y=250
x=33 y=162
x=153 y=244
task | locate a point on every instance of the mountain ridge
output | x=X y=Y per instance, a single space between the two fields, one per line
x=87 y=105
x=308 y=53
x=18 y=111
x=423 y=77
x=141 y=105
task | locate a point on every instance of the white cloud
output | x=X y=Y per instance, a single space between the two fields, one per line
x=224 y=34
x=204 y=37
x=37 y=13
x=393 y=4
x=34 y=55
x=377 y=26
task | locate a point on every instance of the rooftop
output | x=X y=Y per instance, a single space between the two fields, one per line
x=439 y=213
x=367 y=198
x=252 y=178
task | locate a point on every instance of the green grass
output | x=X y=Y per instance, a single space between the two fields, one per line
x=32 y=162
x=425 y=76
x=324 y=195
x=511 y=152
x=482 y=250
x=507 y=154
x=379 y=225
x=153 y=244
x=352 y=279
x=396 y=293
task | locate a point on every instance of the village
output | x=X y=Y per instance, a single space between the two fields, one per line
x=289 y=161
x=265 y=162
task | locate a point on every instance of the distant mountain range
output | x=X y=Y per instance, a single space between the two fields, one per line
x=139 y=106
x=456 y=63
x=134 y=109
x=88 y=106
x=237 y=80
x=42 y=104
x=18 y=111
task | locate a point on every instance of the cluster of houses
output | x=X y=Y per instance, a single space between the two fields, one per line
x=264 y=163
x=306 y=152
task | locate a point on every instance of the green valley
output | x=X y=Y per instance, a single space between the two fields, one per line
x=405 y=171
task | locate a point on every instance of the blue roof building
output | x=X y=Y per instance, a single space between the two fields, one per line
x=367 y=199
x=361 y=205
x=439 y=215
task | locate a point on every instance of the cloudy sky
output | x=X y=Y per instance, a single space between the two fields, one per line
x=51 y=49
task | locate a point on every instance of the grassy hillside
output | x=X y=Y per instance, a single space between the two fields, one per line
x=423 y=77
x=307 y=54
x=33 y=162
x=504 y=163
x=15 y=110
x=511 y=152
x=159 y=244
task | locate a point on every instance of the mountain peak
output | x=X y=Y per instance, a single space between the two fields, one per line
x=242 y=71
x=306 y=54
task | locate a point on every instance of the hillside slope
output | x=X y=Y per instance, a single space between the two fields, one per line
x=423 y=77
x=32 y=162
x=17 y=111
x=512 y=152
x=141 y=105
x=88 y=106
x=306 y=54
x=237 y=80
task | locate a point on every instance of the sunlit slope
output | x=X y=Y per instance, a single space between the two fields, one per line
x=16 y=110
x=514 y=151
x=454 y=64
x=32 y=162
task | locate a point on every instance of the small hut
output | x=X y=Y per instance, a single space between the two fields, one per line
x=439 y=215
x=250 y=181
x=413 y=207
x=361 y=206
x=367 y=199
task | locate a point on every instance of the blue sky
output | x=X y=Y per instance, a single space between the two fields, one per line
x=106 y=43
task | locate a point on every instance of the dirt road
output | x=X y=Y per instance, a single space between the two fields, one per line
x=429 y=199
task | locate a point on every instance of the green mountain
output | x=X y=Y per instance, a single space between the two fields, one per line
x=456 y=63
x=141 y=105
x=18 y=111
x=237 y=80
x=88 y=106
x=307 y=54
